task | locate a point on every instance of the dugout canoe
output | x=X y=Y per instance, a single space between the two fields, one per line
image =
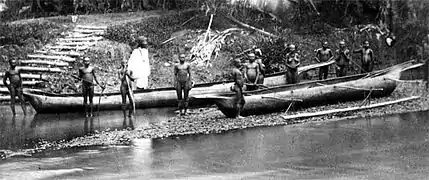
x=308 y=94
x=44 y=102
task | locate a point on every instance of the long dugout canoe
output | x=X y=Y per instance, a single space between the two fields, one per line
x=150 y=98
x=279 y=98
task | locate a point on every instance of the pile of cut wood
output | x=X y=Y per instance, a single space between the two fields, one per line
x=54 y=58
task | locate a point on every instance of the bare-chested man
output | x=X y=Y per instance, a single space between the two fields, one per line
x=343 y=60
x=261 y=76
x=238 y=87
x=126 y=89
x=324 y=54
x=87 y=76
x=182 y=75
x=292 y=63
x=367 y=57
x=251 y=72
x=14 y=86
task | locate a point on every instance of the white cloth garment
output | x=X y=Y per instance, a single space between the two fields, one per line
x=139 y=66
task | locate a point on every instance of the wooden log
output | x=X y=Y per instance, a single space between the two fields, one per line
x=62 y=58
x=31 y=76
x=39 y=69
x=44 y=62
x=97 y=38
x=86 y=31
x=75 y=48
x=61 y=53
x=4 y=90
x=76 y=43
x=25 y=83
x=6 y=98
x=79 y=35
x=91 y=27
x=332 y=111
x=251 y=27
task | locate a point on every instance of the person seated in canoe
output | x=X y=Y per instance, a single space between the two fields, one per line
x=87 y=76
x=342 y=60
x=14 y=86
x=139 y=65
x=292 y=63
x=367 y=57
x=126 y=89
x=251 y=72
x=183 y=83
x=261 y=76
x=324 y=54
x=238 y=79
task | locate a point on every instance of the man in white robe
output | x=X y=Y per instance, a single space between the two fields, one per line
x=139 y=65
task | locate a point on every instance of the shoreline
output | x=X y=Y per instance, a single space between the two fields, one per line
x=212 y=121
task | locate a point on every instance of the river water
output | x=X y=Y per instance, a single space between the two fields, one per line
x=389 y=147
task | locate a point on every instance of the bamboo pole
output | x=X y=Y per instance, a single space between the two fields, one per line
x=332 y=111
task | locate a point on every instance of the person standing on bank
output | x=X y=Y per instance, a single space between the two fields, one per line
x=261 y=76
x=126 y=89
x=367 y=57
x=342 y=60
x=183 y=83
x=139 y=65
x=324 y=54
x=14 y=86
x=87 y=76
x=292 y=64
x=251 y=72
x=238 y=87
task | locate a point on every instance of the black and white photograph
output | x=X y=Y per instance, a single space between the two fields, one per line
x=214 y=89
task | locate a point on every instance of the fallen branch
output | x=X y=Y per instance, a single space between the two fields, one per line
x=321 y=113
x=190 y=19
x=208 y=29
x=251 y=27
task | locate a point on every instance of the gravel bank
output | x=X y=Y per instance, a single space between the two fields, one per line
x=210 y=120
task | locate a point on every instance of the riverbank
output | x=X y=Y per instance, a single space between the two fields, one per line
x=210 y=120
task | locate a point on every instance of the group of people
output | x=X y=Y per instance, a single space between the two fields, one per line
x=249 y=73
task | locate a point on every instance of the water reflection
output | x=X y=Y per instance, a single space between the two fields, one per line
x=23 y=131
x=391 y=147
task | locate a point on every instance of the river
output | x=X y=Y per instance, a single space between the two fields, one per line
x=389 y=147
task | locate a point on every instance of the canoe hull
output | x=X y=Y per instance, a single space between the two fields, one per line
x=321 y=95
x=163 y=97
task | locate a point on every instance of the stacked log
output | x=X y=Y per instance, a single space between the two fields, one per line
x=54 y=58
